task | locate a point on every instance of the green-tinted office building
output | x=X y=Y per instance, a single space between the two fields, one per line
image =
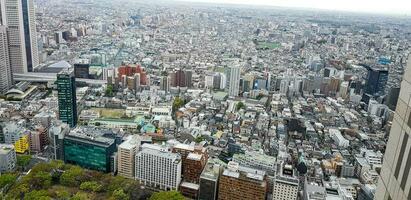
x=90 y=148
x=66 y=87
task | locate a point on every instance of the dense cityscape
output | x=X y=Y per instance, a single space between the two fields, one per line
x=129 y=99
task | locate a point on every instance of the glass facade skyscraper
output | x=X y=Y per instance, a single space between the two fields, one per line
x=66 y=86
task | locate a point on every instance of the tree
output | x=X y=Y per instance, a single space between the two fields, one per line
x=39 y=180
x=110 y=90
x=177 y=103
x=72 y=177
x=23 y=161
x=240 y=105
x=80 y=196
x=92 y=186
x=119 y=195
x=37 y=195
x=170 y=195
x=6 y=179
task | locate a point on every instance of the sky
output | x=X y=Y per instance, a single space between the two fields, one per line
x=402 y=7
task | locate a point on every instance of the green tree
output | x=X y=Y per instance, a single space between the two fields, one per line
x=72 y=177
x=119 y=195
x=169 y=195
x=39 y=180
x=80 y=196
x=92 y=186
x=110 y=90
x=240 y=105
x=23 y=161
x=177 y=103
x=37 y=195
x=6 y=179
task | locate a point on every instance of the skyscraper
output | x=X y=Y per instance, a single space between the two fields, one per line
x=66 y=87
x=376 y=81
x=395 y=181
x=234 y=84
x=6 y=77
x=19 y=17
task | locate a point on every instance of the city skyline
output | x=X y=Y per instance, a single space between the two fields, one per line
x=396 y=7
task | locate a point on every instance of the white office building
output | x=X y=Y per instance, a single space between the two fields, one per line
x=157 y=167
x=286 y=185
x=339 y=138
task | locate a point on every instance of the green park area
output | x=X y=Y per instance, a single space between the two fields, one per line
x=56 y=180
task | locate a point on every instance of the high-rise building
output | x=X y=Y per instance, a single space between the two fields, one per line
x=8 y=158
x=394 y=181
x=209 y=181
x=82 y=68
x=238 y=182
x=194 y=165
x=19 y=17
x=126 y=155
x=184 y=150
x=66 y=87
x=234 y=81
x=286 y=184
x=6 y=75
x=90 y=148
x=376 y=81
x=165 y=83
x=157 y=167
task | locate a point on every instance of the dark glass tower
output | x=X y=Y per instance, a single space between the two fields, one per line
x=66 y=87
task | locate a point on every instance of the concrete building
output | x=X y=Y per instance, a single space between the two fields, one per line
x=238 y=182
x=126 y=155
x=286 y=185
x=395 y=182
x=8 y=158
x=209 y=181
x=19 y=16
x=6 y=75
x=18 y=136
x=234 y=81
x=339 y=138
x=158 y=168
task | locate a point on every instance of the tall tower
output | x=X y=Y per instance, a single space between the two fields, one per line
x=19 y=17
x=234 y=84
x=66 y=87
x=6 y=76
x=395 y=179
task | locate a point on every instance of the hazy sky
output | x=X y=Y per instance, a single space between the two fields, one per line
x=376 y=6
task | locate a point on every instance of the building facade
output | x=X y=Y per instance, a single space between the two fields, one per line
x=66 y=87
x=157 y=167
x=126 y=156
x=238 y=182
x=394 y=182
x=6 y=75
x=234 y=81
x=8 y=158
x=90 y=148
x=19 y=17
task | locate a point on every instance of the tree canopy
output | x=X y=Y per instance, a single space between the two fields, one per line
x=169 y=195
